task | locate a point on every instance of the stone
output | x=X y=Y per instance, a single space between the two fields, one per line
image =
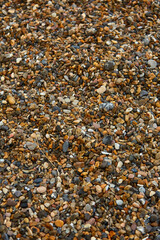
x=11 y=99
x=65 y=146
x=152 y=63
x=17 y=194
x=98 y=189
x=102 y=89
x=109 y=65
x=107 y=140
x=117 y=146
x=106 y=106
x=119 y=202
x=153 y=218
x=59 y=223
x=158 y=156
x=31 y=145
x=88 y=207
x=106 y=163
x=11 y=202
x=41 y=189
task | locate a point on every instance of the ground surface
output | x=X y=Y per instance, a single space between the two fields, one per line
x=79 y=120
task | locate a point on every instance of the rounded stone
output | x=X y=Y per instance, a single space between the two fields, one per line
x=59 y=223
x=41 y=189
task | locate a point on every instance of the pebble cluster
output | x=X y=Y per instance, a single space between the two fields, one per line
x=80 y=120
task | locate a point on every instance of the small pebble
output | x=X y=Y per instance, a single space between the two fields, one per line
x=152 y=63
x=41 y=189
x=119 y=202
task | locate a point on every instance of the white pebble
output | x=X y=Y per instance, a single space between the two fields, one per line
x=117 y=146
x=18 y=60
x=119 y=202
x=120 y=164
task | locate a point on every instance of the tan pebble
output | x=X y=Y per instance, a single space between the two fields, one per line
x=8 y=224
x=96 y=125
x=87 y=225
x=158 y=156
x=5 y=190
x=142 y=173
x=11 y=99
x=98 y=189
x=26 y=220
x=41 y=189
x=136 y=205
x=131 y=176
x=59 y=223
x=53 y=214
x=45 y=165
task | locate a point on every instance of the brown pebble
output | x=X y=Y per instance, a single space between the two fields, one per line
x=59 y=223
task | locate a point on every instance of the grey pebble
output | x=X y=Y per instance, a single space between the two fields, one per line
x=65 y=146
x=106 y=106
x=109 y=65
x=17 y=193
x=30 y=145
x=88 y=207
x=143 y=93
x=107 y=140
x=152 y=63
x=106 y=162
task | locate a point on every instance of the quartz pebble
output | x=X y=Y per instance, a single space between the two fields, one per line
x=41 y=189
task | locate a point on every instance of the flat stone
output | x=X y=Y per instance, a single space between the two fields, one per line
x=17 y=194
x=41 y=189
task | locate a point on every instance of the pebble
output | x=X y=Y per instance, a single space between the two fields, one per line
x=5 y=190
x=109 y=65
x=65 y=146
x=119 y=202
x=107 y=140
x=11 y=202
x=152 y=63
x=31 y=146
x=59 y=223
x=41 y=189
x=11 y=99
x=106 y=106
x=117 y=146
x=18 y=194
x=88 y=208
x=98 y=189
